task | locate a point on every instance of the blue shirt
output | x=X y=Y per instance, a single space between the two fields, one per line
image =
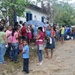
x=35 y=30
x=68 y=29
x=26 y=49
x=48 y=33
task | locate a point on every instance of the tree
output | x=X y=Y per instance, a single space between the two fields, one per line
x=14 y=7
x=46 y=6
x=59 y=11
x=64 y=14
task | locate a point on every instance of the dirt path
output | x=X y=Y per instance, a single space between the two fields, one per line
x=63 y=62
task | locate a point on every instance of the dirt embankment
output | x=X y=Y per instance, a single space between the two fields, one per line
x=63 y=62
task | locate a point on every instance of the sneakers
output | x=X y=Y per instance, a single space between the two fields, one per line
x=40 y=63
x=25 y=72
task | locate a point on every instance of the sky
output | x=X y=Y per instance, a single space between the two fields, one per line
x=72 y=1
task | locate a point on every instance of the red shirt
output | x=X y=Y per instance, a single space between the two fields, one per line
x=41 y=39
x=52 y=33
x=23 y=31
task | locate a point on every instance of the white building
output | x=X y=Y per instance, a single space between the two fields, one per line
x=33 y=13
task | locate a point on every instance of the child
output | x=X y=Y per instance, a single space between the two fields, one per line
x=25 y=55
x=20 y=45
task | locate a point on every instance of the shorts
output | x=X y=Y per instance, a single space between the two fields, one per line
x=62 y=36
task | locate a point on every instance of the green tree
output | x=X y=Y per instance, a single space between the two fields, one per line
x=63 y=12
x=14 y=7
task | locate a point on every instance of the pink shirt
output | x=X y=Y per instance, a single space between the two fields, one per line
x=20 y=46
x=8 y=34
x=19 y=33
x=41 y=39
x=14 y=40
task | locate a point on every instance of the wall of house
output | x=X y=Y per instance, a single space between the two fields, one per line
x=36 y=15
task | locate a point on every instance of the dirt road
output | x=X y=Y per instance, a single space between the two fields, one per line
x=63 y=62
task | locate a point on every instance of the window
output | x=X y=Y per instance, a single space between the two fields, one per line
x=42 y=18
x=28 y=16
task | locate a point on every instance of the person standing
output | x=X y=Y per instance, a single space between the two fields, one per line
x=3 y=45
x=29 y=34
x=62 y=34
x=15 y=44
x=9 y=39
x=40 y=42
x=53 y=41
x=19 y=31
x=50 y=42
x=2 y=23
x=20 y=23
x=24 y=32
x=32 y=32
x=25 y=56
x=48 y=34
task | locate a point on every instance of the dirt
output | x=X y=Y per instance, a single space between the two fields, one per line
x=62 y=63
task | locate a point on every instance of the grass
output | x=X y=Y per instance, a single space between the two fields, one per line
x=10 y=67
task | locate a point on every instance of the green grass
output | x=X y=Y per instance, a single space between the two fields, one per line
x=10 y=67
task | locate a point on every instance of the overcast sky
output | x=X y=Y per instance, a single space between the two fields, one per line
x=72 y=1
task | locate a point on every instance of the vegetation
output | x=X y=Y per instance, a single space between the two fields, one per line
x=59 y=11
x=13 y=8
x=64 y=14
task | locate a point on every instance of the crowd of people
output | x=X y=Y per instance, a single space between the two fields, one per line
x=16 y=40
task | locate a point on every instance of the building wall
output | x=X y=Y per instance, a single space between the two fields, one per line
x=35 y=15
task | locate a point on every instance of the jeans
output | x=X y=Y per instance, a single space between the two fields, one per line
x=2 y=53
x=10 y=51
x=15 y=51
x=24 y=37
x=26 y=65
x=39 y=54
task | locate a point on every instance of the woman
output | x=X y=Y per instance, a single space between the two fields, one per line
x=3 y=45
x=50 y=41
x=9 y=39
x=57 y=34
x=32 y=32
x=19 y=31
x=29 y=35
x=3 y=23
x=24 y=31
x=62 y=34
x=15 y=44
x=40 y=41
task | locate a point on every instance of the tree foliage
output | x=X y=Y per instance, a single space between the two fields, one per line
x=63 y=12
x=14 y=6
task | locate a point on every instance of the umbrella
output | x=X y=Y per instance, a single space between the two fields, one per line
x=36 y=23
